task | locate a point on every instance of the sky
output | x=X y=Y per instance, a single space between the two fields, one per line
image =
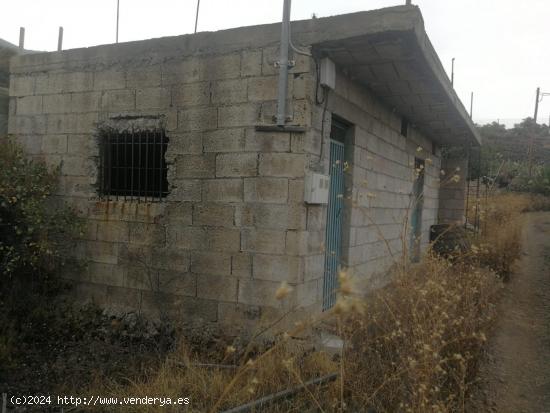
x=500 y=46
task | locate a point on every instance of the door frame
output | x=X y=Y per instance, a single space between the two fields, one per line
x=417 y=208
x=340 y=134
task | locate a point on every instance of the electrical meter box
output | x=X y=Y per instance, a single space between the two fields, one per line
x=327 y=73
x=316 y=188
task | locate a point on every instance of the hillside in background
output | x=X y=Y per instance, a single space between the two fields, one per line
x=517 y=158
x=513 y=144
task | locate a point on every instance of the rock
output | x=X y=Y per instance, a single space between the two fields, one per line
x=131 y=320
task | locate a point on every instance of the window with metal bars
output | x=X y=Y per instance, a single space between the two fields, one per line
x=133 y=165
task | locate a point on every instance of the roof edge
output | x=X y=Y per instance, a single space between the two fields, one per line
x=404 y=18
x=304 y=32
x=439 y=72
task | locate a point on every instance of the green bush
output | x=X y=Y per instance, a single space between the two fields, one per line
x=536 y=181
x=36 y=232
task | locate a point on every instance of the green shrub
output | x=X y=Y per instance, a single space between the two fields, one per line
x=36 y=232
x=540 y=184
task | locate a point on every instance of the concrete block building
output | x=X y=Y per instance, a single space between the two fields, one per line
x=196 y=201
x=7 y=50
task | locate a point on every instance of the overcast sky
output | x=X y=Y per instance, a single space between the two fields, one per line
x=501 y=47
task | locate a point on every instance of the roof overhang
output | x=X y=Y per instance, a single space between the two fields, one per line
x=389 y=52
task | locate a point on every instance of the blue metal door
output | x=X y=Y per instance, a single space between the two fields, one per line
x=335 y=212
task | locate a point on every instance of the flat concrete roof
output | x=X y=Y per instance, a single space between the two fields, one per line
x=389 y=52
x=386 y=50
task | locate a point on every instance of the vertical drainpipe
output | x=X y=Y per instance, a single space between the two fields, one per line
x=283 y=65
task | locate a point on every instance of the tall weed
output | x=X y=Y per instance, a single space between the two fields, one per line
x=413 y=346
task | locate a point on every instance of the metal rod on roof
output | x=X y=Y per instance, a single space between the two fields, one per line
x=453 y=72
x=60 y=39
x=283 y=65
x=197 y=15
x=531 y=140
x=21 y=37
x=117 y=17
x=408 y=3
x=471 y=104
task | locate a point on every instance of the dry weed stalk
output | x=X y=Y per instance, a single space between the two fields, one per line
x=412 y=346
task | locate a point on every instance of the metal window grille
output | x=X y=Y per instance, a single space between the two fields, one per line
x=133 y=165
x=335 y=211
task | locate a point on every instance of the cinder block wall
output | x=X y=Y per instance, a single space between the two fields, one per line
x=4 y=111
x=4 y=96
x=234 y=224
x=379 y=181
x=452 y=193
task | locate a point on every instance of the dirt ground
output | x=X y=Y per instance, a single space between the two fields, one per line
x=516 y=374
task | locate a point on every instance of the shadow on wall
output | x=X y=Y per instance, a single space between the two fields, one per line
x=4 y=110
x=7 y=51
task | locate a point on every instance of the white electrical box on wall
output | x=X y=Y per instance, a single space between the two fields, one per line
x=316 y=188
x=327 y=73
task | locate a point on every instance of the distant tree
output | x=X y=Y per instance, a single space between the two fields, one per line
x=36 y=233
x=486 y=164
x=492 y=131
x=528 y=129
x=505 y=152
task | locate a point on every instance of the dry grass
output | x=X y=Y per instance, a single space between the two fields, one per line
x=501 y=222
x=413 y=346
x=537 y=202
x=416 y=347
x=499 y=245
x=183 y=375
